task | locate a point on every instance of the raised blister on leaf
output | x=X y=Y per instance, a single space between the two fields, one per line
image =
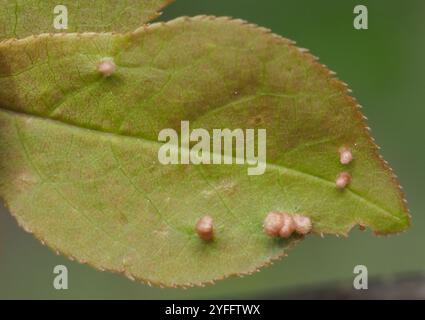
x=205 y=228
x=273 y=223
x=303 y=224
x=288 y=227
x=343 y=180
x=106 y=67
x=345 y=155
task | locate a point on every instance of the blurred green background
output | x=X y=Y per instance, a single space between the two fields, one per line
x=384 y=66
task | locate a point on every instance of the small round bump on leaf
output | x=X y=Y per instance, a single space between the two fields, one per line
x=205 y=228
x=345 y=155
x=303 y=224
x=273 y=223
x=107 y=67
x=288 y=226
x=343 y=180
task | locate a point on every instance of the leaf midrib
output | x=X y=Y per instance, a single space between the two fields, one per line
x=279 y=167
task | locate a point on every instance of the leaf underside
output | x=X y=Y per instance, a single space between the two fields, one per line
x=22 y=18
x=79 y=166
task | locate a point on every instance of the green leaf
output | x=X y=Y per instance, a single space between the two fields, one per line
x=79 y=165
x=21 y=18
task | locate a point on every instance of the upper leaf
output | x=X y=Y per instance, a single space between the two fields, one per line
x=21 y=18
x=79 y=166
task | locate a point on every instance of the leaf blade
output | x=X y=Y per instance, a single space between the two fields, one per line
x=22 y=18
x=291 y=95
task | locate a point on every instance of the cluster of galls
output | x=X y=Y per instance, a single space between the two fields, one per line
x=275 y=224
x=284 y=225
x=344 y=178
x=281 y=224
